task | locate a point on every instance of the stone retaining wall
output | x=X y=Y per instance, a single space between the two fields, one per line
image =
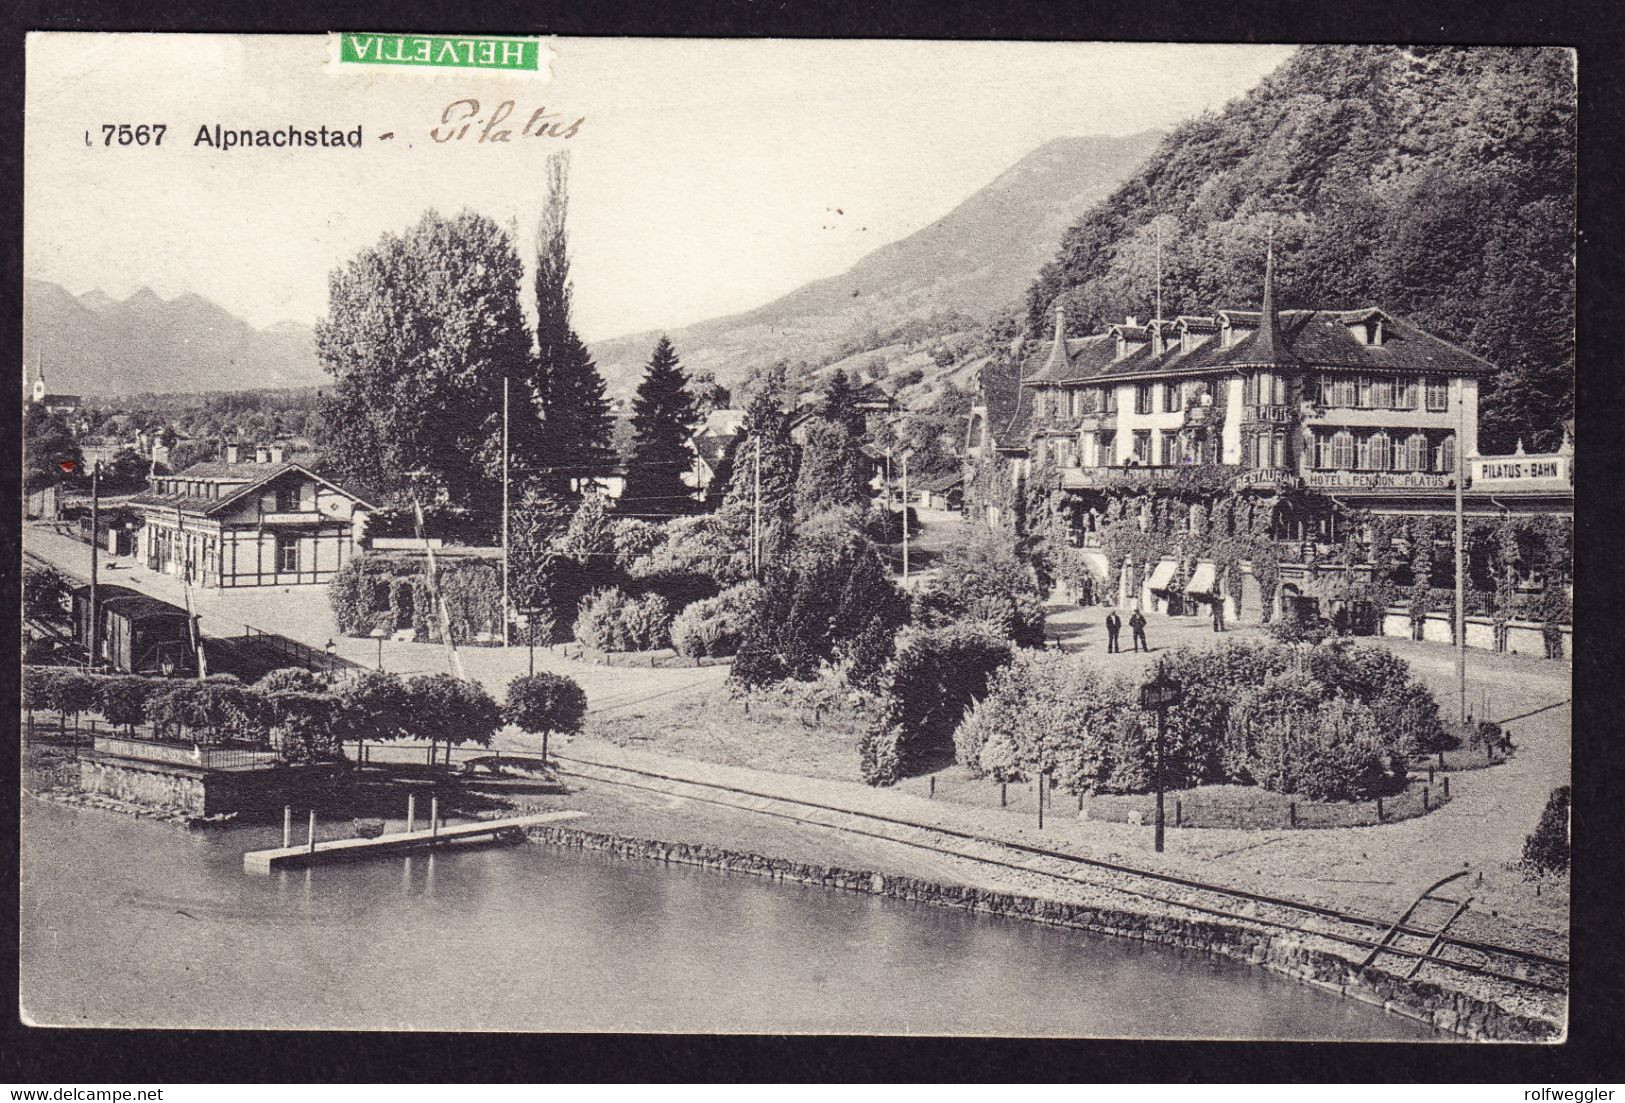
x=1440 y=1007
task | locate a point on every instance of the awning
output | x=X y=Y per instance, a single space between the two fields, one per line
x=1203 y=579
x=1162 y=575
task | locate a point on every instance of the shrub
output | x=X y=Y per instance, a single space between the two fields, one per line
x=634 y=539
x=290 y=677
x=175 y=708
x=1546 y=850
x=1050 y=713
x=123 y=700
x=982 y=579
x=304 y=722
x=611 y=621
x=934 y=675
x=45 y=594
x=40 y=686
x=1299 y=630
x=648 y=622
x=1289 y=737
x=540 y=704
x=1381 y=680
x=714 y=627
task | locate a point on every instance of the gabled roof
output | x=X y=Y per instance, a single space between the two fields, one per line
x=942 y=482
x=254 y=476
x=1312 y=339
x=712 y=447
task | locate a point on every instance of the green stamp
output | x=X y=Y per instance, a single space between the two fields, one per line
x=453 y=52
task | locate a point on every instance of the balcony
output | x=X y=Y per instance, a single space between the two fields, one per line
x=1201 y=417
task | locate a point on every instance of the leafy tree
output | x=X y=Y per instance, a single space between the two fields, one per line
x=834 y=472
x=447 y=710
x=45 y=594
x=289 y=677
x=576 y=426
x=663 y=415
x=981 y=579
x=304 y=722
x=372 y=707
x=76 y=693
x=420 y=331
x=47 y=446
x=544 y=704
x=123 y=700
x=709 y=395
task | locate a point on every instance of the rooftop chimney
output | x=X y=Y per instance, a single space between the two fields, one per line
x=260 y=455
x=231 y=453
x=1132 y=320
x=277 y=453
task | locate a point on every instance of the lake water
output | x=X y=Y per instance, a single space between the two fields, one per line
x=132 y=923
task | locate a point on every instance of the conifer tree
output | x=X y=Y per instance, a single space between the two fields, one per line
x=663 y=415
x=841 y=405
x=767 y=425
x=575 y=430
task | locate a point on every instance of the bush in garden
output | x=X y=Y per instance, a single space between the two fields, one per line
x=1546 y=850
x=1050 y=713
x=372 y=707
x=543 y=704
x=1194 y=729
x=304 y=722
x=611 y=621
x=635 y=538
x=933 y=677
x=175 y=708
x=713 y=627
x=982 y=579
x=1297 y=630
x=1378 y=678
x=1289 y=737
x=123 y=700
x=290 y=677
x=648 y=622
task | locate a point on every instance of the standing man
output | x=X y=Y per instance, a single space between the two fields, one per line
x=1137 y=623
x=1218 y=613
x=1114 y=625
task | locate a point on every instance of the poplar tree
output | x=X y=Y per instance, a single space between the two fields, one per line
x=576 y=428
x=663 y=415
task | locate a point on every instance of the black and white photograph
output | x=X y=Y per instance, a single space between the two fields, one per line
x=973 y=539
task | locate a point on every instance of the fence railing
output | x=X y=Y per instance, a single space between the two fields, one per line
x=298 y=654
x=208 y=756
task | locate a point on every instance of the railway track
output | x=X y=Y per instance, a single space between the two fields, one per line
x=1416 y=949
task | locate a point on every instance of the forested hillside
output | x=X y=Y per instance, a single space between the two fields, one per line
x=1437 y=183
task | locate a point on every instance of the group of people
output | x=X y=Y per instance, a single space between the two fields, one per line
x=1136 y=623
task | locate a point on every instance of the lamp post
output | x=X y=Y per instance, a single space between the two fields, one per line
x=379 y=634
x=332 y=650
x=1155 y=697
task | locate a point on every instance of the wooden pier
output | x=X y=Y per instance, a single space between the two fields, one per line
x=333 y=850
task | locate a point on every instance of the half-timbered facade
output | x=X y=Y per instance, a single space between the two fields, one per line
x=261 y=523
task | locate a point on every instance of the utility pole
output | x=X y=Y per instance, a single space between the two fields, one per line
x=505 y=605
x=756 y=517
x=1461 y=553
x=1159 y=269
x=95 y=524
x=905 y=516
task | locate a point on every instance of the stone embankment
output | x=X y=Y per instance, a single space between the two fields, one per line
x=1444 y=1009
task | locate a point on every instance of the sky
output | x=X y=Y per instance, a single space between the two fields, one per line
x=705 y=174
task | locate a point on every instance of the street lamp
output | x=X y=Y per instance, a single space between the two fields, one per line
x=1155 y=697
x=332 y=649
x=377 y=634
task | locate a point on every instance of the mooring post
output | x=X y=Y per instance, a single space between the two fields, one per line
x=434 y=818
x=411 y=811
x=311 y=838
x=287 y=826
